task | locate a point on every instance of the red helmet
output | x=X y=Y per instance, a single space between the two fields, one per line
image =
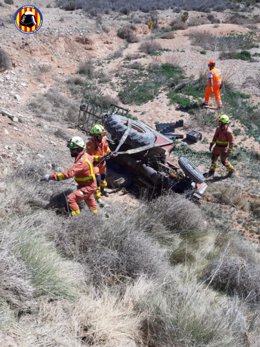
x=211 y=62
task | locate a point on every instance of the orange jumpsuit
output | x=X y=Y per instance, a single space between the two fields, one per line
x=224 y=142
x=99 y=149
x=83 y=173
x=214 y=85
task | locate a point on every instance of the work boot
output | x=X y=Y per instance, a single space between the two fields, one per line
x=209 y=174
x=230 y=174
x=105 y=193
x=100 y=203
x=204 y=104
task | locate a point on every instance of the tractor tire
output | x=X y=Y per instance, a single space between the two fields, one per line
x=139 y=134
x=190 y=170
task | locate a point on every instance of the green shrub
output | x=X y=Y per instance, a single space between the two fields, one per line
x=143 y=85
x=243 y=55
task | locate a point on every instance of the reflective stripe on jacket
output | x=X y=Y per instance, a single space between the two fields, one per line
x=82 y=171
x=97 y=149
x=214 y=77
x=223 y=137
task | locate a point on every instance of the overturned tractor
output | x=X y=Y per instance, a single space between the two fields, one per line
x=142 y=156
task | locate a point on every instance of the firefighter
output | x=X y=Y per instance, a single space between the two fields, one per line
x=98 y=147
x=214 y=85
x=223 y=142
x=83 y=173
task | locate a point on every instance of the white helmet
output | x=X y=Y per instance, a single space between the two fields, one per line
x=76 y=142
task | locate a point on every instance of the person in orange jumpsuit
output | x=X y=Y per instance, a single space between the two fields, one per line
x=223 y=142
x=83 y=173
x=214 y=85
x=98 y=147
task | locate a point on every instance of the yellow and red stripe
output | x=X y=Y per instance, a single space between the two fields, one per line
x=36 y=15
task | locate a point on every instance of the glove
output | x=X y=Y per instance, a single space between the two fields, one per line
x=46 y=178
x=210 y=146
x=111 y=155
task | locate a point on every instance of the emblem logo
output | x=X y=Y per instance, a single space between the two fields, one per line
x=28 y=19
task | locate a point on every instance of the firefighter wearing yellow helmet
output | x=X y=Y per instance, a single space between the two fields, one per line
x=98 y=147
x=222 y=144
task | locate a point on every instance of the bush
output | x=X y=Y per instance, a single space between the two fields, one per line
x=178 y=24
x=127 y=33
x=150 y=47
x=243 y=55
x=112 y=251
x=15 y=286
x=168 y=35
x=223 y=43
x=175 y=213
x=87 y=68
x=232 y=275
x=54 y=103
x=5 y=60
x=143 y=5
x=143 y=85
x=178 y=314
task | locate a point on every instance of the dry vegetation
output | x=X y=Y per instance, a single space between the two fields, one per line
x=84 y=277
x=5 y=60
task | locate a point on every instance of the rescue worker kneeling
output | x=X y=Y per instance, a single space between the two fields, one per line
x=83 y=173
x=98 y=147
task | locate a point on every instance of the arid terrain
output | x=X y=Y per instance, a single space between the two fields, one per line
x=76 y=55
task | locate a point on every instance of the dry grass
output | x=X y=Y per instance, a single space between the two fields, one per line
x=111 y=251
x=176 y=214
x=231 y=195
x=106 y=319
x=178 y=24
x=15 y=286
x=49 y=274
x=128 y=33
x=87 y=68
x=234 y=276
x=235 y=268
x=150 y=47
x=168 y=35
x=130 y=293
x=178 y=314
x=54 y=106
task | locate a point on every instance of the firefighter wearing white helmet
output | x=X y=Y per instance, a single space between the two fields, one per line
x=83 y=173
x=222 y=144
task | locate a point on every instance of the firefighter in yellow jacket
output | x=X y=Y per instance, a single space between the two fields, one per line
x=223 y=142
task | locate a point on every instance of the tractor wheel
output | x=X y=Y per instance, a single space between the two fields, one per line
x=190 y=170
x=139 y=134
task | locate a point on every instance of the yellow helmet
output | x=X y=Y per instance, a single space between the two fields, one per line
x=97 y=130
x=224 y=119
